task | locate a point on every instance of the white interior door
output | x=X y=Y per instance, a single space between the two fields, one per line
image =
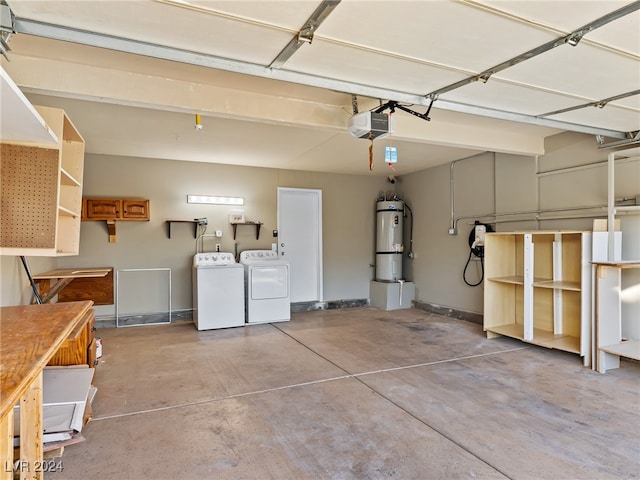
x=300 y=240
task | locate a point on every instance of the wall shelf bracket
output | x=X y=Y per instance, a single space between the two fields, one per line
x=195 y=226
x=111 y=228
x=256 y=224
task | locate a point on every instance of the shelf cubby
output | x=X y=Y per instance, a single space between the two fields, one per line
x=42 y=191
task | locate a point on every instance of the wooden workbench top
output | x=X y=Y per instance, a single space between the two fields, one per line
x=74 y=273
x=31 y=335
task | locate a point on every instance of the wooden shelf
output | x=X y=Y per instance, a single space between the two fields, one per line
x=74 y=284
x=20 y=122
x=256 y=224
x=66 y=179
x=565 y=343
x=516 y=330
x=560 y=285
x=628 y=348
x=194 y=222
x=516 y=280
x=544 y=338
x=513 y=330
x=622 y=264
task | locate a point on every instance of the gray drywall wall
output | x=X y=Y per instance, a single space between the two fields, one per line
x=509 y=183
x=439 y=257
x=15 y=288
x=482 y=184
x=348 y=220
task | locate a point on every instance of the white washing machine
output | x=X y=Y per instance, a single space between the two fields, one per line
x=267 y=286
x=218 y=291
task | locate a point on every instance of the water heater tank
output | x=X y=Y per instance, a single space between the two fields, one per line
x=389 y=243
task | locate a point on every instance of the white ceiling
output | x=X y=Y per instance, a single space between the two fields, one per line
x=295 y=117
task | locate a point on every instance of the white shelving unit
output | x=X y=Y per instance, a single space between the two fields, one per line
x=612 y=209
x=609 y=344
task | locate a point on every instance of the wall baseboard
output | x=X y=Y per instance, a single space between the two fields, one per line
x=329 y=305
x=449 y=312
x=179 y=316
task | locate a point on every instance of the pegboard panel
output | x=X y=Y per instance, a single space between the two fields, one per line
x=28 y=199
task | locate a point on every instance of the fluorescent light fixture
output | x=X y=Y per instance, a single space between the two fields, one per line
x=215 y=200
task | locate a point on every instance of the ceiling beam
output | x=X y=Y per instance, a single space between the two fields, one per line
x=84 y=37
x=572 y=39
x=306 y=33
x=115 y=86
x=598 y=103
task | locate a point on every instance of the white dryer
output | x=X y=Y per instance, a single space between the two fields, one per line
x=268 y=297
x=218 y=291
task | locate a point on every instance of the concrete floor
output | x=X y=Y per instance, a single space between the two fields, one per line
x=352 y=393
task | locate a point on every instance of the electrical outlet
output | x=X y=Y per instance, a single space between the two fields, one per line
x=218 y=233
x=452 y=231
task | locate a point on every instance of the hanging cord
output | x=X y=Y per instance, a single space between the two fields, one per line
x=410 y=254
x=34 y=287
x=478 y=251
x=464 y=274
x=371 y=154
x=201 y=230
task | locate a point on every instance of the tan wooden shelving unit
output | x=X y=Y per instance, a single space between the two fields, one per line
x=42 y=192
x=538 y=289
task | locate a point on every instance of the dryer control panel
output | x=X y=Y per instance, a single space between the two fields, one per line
x=252 y=256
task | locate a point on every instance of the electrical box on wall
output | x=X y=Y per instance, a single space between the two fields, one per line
x=479 y=232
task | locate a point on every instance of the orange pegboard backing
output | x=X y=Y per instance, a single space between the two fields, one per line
x=28 y=196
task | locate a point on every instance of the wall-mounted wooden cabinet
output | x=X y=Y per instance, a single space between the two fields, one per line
x=115 y=209
x=538 y=289
x=41 y=192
